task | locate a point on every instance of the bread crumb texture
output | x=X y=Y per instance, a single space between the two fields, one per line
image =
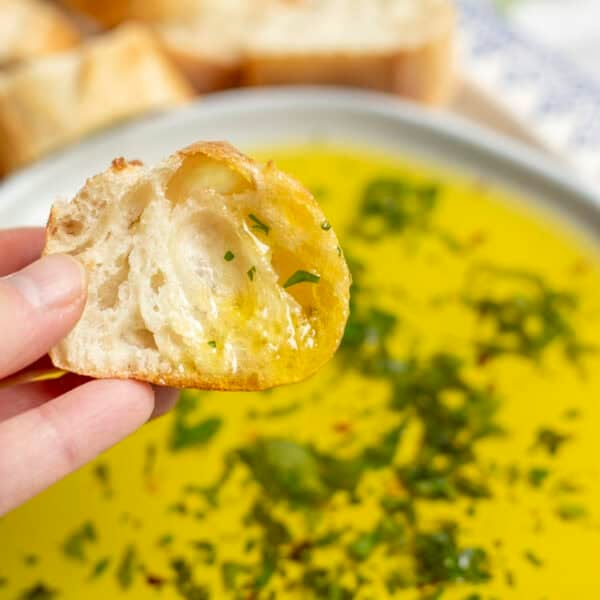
x=208 y=271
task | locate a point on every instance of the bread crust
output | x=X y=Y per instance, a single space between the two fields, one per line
x=205 y=73
x=269 y=179
x=32 y=29
x=114 y=12
x=48 y=103
x=424 y=72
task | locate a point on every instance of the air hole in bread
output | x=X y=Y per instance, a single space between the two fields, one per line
x=72 y=227
x=156 y=282
x=108 y=292
x=141 y=338
x=133 y=204
x=201 y=173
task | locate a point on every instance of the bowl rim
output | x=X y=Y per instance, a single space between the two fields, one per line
x=473 y=138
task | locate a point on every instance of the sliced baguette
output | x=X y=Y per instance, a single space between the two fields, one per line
x=399 y=46
x=187 y=268
x=113 y=12
x=55 y=100
x=32 y=28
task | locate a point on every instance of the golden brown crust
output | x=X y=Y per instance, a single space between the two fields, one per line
x=113 y=12
x=425 y=73
x=32 y=29
x=205 y=73
x=48 y=103
x=247 y=380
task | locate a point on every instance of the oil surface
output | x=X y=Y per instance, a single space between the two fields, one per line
x=450 y=450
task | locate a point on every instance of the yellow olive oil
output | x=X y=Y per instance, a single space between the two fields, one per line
x=449 y=450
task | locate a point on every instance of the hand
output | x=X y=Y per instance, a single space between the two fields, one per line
x=50 y=428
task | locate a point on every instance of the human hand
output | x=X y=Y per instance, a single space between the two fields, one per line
x=50 y=428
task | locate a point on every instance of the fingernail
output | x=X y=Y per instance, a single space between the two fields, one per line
x=52 y=282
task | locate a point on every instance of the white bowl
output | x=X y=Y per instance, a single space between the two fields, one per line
x=253 y=118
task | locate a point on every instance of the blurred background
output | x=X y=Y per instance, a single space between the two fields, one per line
x=527 y=68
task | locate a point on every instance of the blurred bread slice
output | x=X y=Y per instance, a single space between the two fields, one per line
x=113 y=12
x=33 y=28
x=52 y=101
x=208 y=271
x=399 y=46
x=210 y=48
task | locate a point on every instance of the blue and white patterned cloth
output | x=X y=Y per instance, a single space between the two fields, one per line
x=537 y=66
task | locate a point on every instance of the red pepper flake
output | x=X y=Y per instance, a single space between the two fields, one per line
x=155 y=581
x=342 y=427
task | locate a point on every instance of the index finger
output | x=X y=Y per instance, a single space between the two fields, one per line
x=19 y=247
x=44 y=444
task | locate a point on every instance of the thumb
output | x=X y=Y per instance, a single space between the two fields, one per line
x=39 y=305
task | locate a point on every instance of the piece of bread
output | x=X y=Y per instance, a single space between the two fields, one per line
x=399 y=46
x=47 y=103
x=32 y=28
x=208 y=271
x=113 y=12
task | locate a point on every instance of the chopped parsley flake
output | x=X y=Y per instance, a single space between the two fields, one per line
x=302 y=277
x=75 y=545
x=212 y=344
x=259 y=225
x=251 y=272
x=537 y=476
x=326 y=225
x=533 y=558
x=551 y=440
x=571 y=512
x=100 y=568
x=127 y=567
x=39 y=591
x=229 y=256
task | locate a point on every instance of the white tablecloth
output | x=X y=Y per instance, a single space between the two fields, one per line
x=539 y=61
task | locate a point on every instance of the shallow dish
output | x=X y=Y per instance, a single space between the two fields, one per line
x=450 y=448
x=267 y=117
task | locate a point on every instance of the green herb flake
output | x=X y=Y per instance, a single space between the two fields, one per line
x=31 y=560
x=229 y=256
x=178 y=508
x=537 y=476
x=212 y=344
x=39 y=591
x=184 y=582
x=302 y=277
x=251 y=273
x=127 y=567
x=75 y=545
x=207 y=551
x=230 y=572
x=325 y=225
x=165 y=540
x=185 y=436
x=259 y=225
x=533 y=558
x=150 y=460
x=571 y=512
x=100 y=568
x=102 y=473
x=551 y=440
x=441 y=560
